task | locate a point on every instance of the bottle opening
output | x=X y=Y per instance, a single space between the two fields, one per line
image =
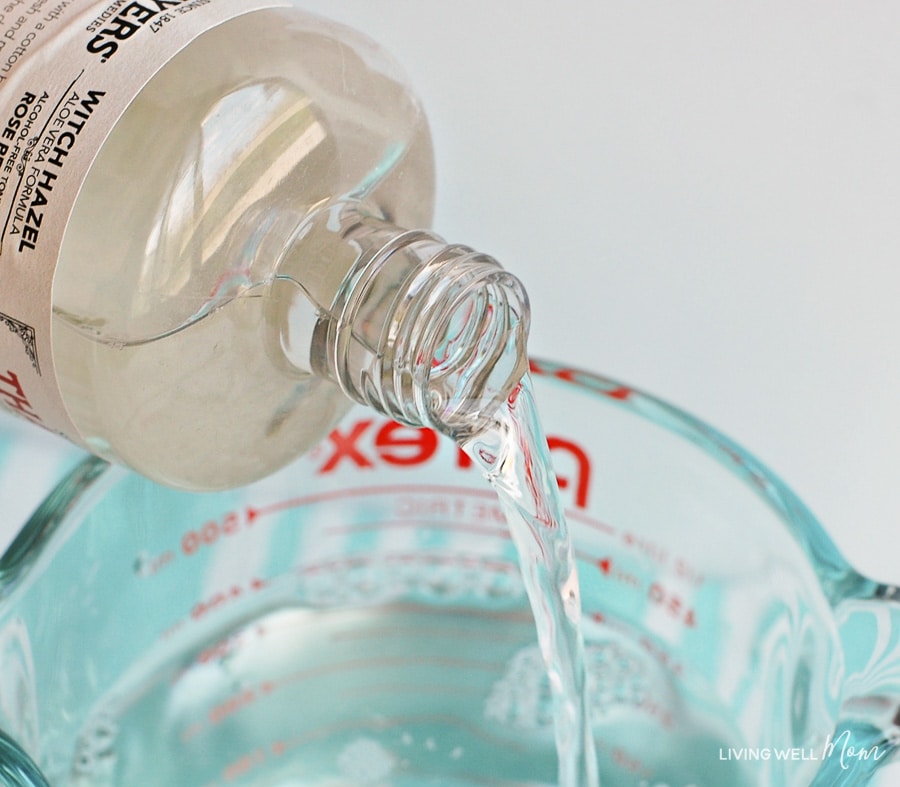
x=426 y=332
x=476 y=350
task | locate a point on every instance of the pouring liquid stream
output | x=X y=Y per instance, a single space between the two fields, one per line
x=513 y=456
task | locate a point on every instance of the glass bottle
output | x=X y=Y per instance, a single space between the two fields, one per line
x=237 y=266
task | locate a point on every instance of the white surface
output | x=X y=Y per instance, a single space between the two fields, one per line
x=703 y=200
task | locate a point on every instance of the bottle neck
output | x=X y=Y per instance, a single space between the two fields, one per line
x=427 y=333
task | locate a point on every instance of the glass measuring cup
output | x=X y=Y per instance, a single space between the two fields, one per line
x=358 y=619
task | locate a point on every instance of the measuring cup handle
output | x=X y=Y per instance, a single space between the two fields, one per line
x=16 y=767
x=867 y=734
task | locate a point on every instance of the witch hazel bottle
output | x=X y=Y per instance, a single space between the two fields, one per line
x=210 y=242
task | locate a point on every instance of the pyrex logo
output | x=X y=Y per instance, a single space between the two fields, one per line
x=367 y=443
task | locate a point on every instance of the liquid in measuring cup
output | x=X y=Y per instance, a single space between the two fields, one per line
x=386 y=655
x=361 y=618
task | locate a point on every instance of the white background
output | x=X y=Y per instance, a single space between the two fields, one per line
x=703 y=200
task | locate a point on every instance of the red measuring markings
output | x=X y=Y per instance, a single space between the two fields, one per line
x=254 y=759
x=594 y=524
x=224 y=597
x=213 y=653
x=654 y=649
x=647 y=547
x=194 y=540
x=253 y=513
x=658 y=711
x=672 y=603
x=659 y=554
x=243 y=765
x=148 y=565
x=240 y=701
x=234 y=703
x=663 y=656
x=628 y=762
x=625 y=760
x=211 y=531
x=611 y=570
x=656 y=592
x=228 y=645
x=406 y=558
x=172 y=630
x=214 y=530
x=582 y=379
x=387 y=526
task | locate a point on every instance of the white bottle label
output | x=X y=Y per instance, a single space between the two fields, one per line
x=68 y=70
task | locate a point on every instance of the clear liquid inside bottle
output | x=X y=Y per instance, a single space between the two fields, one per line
x=166 y=288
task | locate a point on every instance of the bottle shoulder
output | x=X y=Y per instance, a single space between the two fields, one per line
x=267 y=112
